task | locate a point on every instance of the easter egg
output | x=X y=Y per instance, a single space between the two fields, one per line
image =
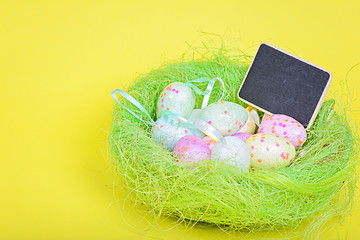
x=242 y=136
x=286 y=127
x=269 y=151
x=249 y=125
x=209 y=142
x=177 y=98
x=191 y=150
x=226 y=117
x=168 y=134
x=233 y=151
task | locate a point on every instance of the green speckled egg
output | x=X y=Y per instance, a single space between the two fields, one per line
x=177 y=98
x=225 y=117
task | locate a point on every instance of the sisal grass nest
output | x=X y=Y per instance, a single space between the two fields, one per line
x=318 y=185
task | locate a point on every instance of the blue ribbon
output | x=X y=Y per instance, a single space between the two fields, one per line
x=174 y=119
x=171 y=117
x=133 y=101
x=208 y=90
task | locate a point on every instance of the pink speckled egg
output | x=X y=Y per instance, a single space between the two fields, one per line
x=269 y=151
x=242 y=136
x=286 y=127
x=191 y=150
x=209 y=142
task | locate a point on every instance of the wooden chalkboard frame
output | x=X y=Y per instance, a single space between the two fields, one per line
x=319 y=103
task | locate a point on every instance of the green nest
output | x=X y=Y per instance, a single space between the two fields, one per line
x=318 y=185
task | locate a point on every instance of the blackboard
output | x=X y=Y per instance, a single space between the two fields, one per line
x=278 y=82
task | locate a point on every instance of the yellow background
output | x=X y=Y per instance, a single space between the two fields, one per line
x=59 y=60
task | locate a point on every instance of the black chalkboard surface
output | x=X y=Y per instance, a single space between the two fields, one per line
x=279 y=82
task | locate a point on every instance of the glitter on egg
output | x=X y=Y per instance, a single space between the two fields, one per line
x=273 y=150
x=177 y=98
x=191 y=149
x=223 y=117
x=167 y=134
x=286 y=127
x=231 y=150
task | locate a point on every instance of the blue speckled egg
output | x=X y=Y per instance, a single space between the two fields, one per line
x=167 y=134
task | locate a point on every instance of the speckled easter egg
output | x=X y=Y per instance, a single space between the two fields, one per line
x=191 y=150
x=225 y=117
x=286 y=127
x=249 y=125
x=209 y=142
x=233 y=151
x=167 y=134
x=269 y=151
x=242 y=136
x=177 y=98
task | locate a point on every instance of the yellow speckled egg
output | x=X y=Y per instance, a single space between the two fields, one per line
x=269 y=151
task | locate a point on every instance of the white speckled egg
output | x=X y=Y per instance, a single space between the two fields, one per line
x=177 y=98
x=225 y=117
x=269 y=151
x=167 y=134
x=233 y=151
x=286 y=127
